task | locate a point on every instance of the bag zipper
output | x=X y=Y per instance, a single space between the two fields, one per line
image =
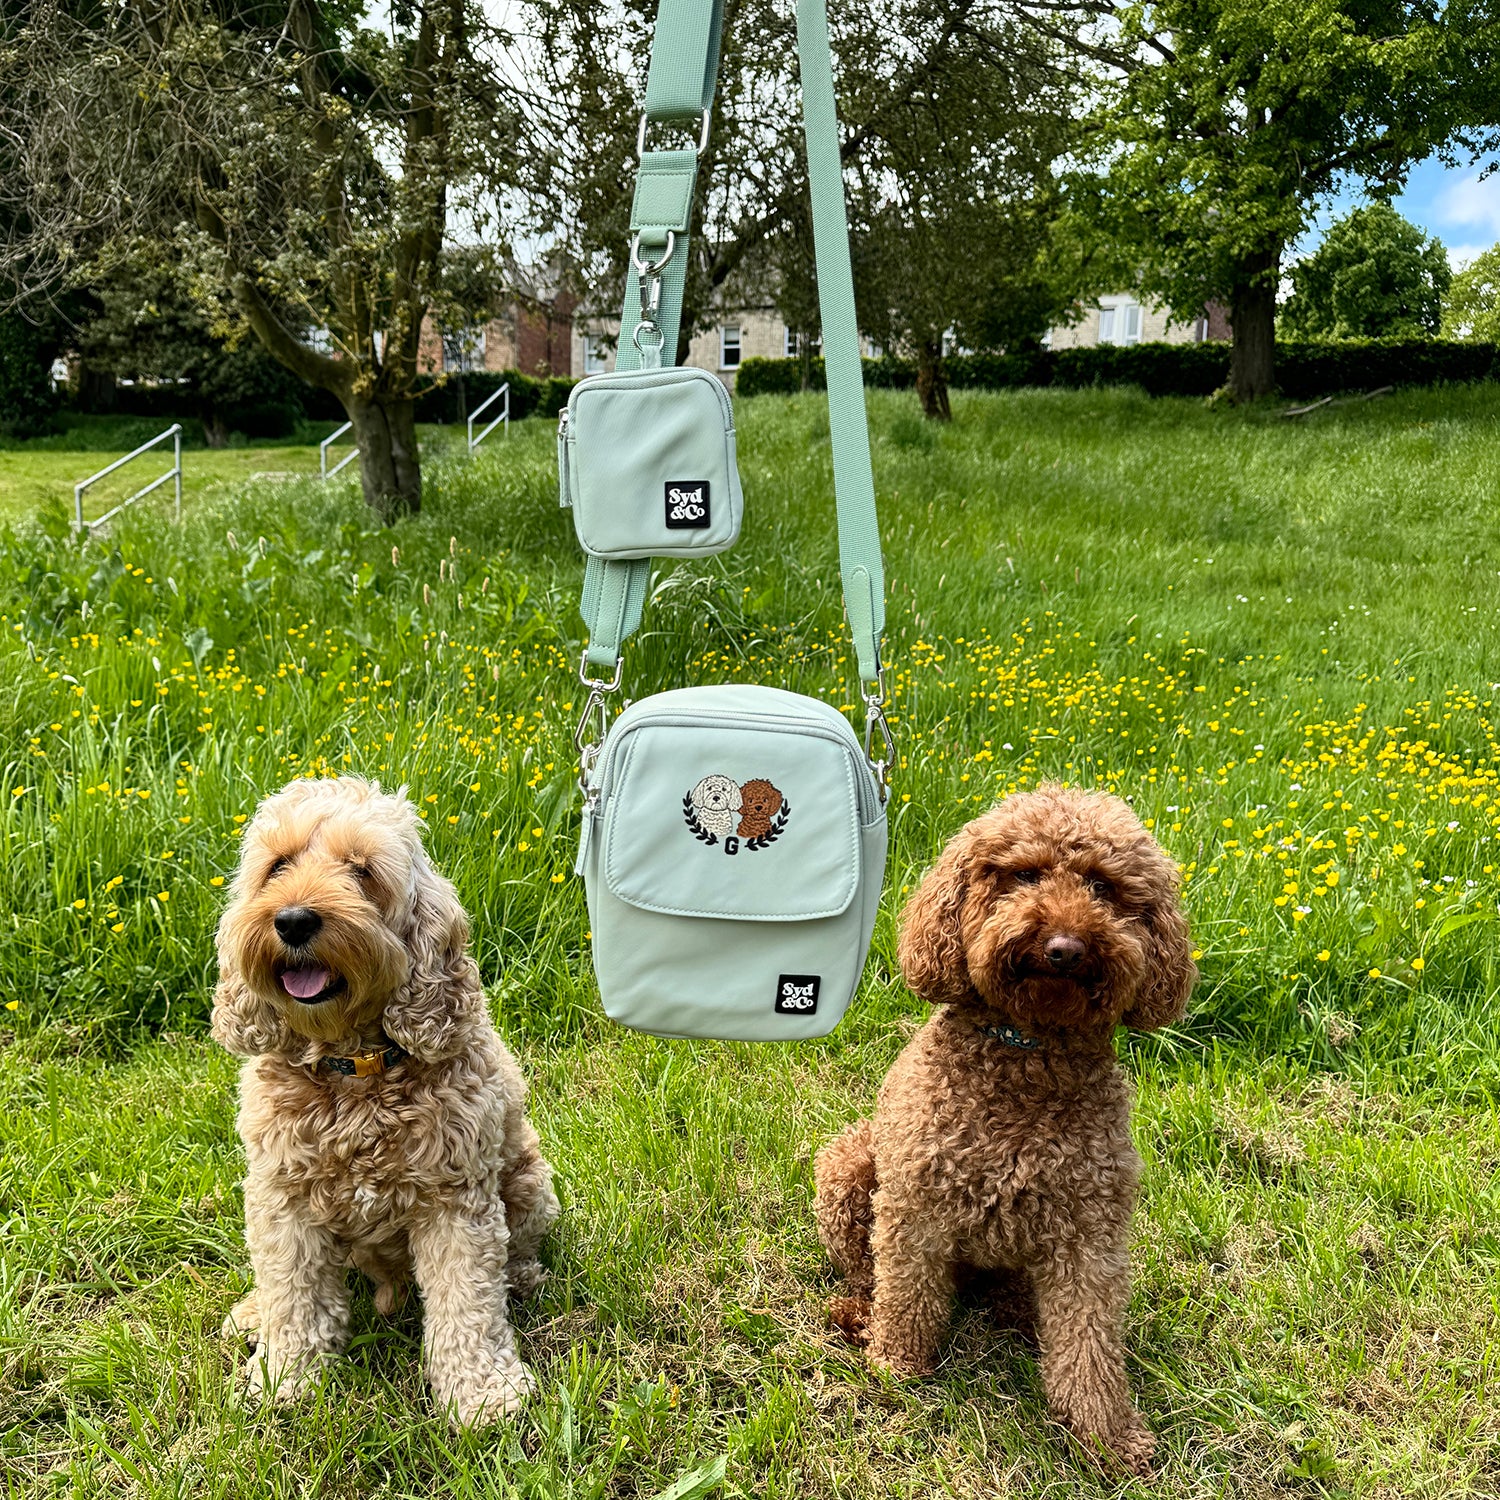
x=680 y=372
x=564 y=499
x=866 y=797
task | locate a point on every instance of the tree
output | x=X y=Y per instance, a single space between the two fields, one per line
x=1225 y=122
x=942 y=102
x=957 y=195
x=1374 y=276
x=1472 y=308
x=145 y=327
x=282 y=155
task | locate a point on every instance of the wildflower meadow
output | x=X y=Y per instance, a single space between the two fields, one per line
x=1276 y=638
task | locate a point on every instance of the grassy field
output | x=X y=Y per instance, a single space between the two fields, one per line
x=1277 y=638
x=42 y=472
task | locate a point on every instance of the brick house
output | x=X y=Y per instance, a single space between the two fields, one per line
x=531 y=331
x=736 y=333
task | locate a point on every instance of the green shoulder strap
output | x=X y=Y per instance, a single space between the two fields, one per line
x=679 y=86
x=684 y=64
x=853 y=482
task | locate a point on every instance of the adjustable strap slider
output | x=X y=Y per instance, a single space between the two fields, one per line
x=703 y=123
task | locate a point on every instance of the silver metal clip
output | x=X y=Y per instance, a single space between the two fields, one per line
x=875 y=724
x=593 y=725
x=648 y=274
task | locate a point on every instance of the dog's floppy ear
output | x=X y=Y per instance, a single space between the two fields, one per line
x=1163 y=995
x=242 y=1022
x=931 y=950
x=431 y=1015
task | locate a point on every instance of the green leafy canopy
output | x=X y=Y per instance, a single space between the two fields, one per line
x=1374 y=276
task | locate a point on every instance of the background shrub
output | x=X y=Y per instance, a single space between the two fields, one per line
x=1303 y=370
x=257 y=397
x=27 y=400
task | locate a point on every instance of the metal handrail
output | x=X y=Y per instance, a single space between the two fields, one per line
x=323 y=447
x=175 y=472
x=483 y=407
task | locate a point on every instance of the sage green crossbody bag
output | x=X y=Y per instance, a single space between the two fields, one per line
x=734 y=837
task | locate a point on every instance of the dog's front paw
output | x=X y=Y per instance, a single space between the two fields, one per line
x=281 y=1380
x=1133 y=1446
x=242 y=1321
x=523 y=1277
x=906 y=1361
x=851 y=1316
x=499 y=1394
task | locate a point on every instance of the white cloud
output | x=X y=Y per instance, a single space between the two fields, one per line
x=1471 y=204
x=1461 y=256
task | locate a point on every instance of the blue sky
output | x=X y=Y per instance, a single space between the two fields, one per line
x=1449 y=202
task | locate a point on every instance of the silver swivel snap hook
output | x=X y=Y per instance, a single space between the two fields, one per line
x=593 y=724
x=876 y=727
x=647 y=336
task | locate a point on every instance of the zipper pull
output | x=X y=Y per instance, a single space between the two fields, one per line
x=585 y=833
x=564 y=499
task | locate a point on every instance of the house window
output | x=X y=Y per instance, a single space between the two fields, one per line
x=1120 y=321
x=464 y=350
x=729 y=346
x=594 y=357
x=792 y=344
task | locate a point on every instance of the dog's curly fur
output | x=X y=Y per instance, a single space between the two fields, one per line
x=1055 y=914
x=760 y=802
x=430 y=1168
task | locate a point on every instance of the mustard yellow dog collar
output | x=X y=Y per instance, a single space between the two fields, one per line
x=365 y=1064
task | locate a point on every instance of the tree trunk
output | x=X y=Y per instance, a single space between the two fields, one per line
x=932 y=381
x=1252 y=318
x=389 y=468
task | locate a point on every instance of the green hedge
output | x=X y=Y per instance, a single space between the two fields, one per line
x=530 y=395
x=447 y=403
x=1302 y=369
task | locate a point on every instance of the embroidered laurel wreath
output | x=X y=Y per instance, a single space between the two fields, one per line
x=774 y=832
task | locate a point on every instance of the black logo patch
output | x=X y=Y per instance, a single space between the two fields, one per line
x=687 y=504
x=797 y=994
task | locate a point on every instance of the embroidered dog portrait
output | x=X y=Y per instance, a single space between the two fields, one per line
x=714 y=805
x=759 y=803
x=751 y=816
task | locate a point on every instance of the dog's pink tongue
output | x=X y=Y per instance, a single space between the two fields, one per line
x=303 y=984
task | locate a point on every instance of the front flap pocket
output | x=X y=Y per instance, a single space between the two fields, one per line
x=754 y=823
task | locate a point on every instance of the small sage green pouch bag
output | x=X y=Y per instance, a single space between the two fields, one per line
x=734 y=836
x=646 y=460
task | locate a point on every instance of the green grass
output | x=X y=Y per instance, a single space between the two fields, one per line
x=1276 y=638
x=42 y=471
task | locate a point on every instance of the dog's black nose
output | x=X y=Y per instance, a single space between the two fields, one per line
x=296 y=925
x=1063 y=951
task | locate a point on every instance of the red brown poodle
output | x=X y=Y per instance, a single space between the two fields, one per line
x=759 y=803
x=1000 y=1145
